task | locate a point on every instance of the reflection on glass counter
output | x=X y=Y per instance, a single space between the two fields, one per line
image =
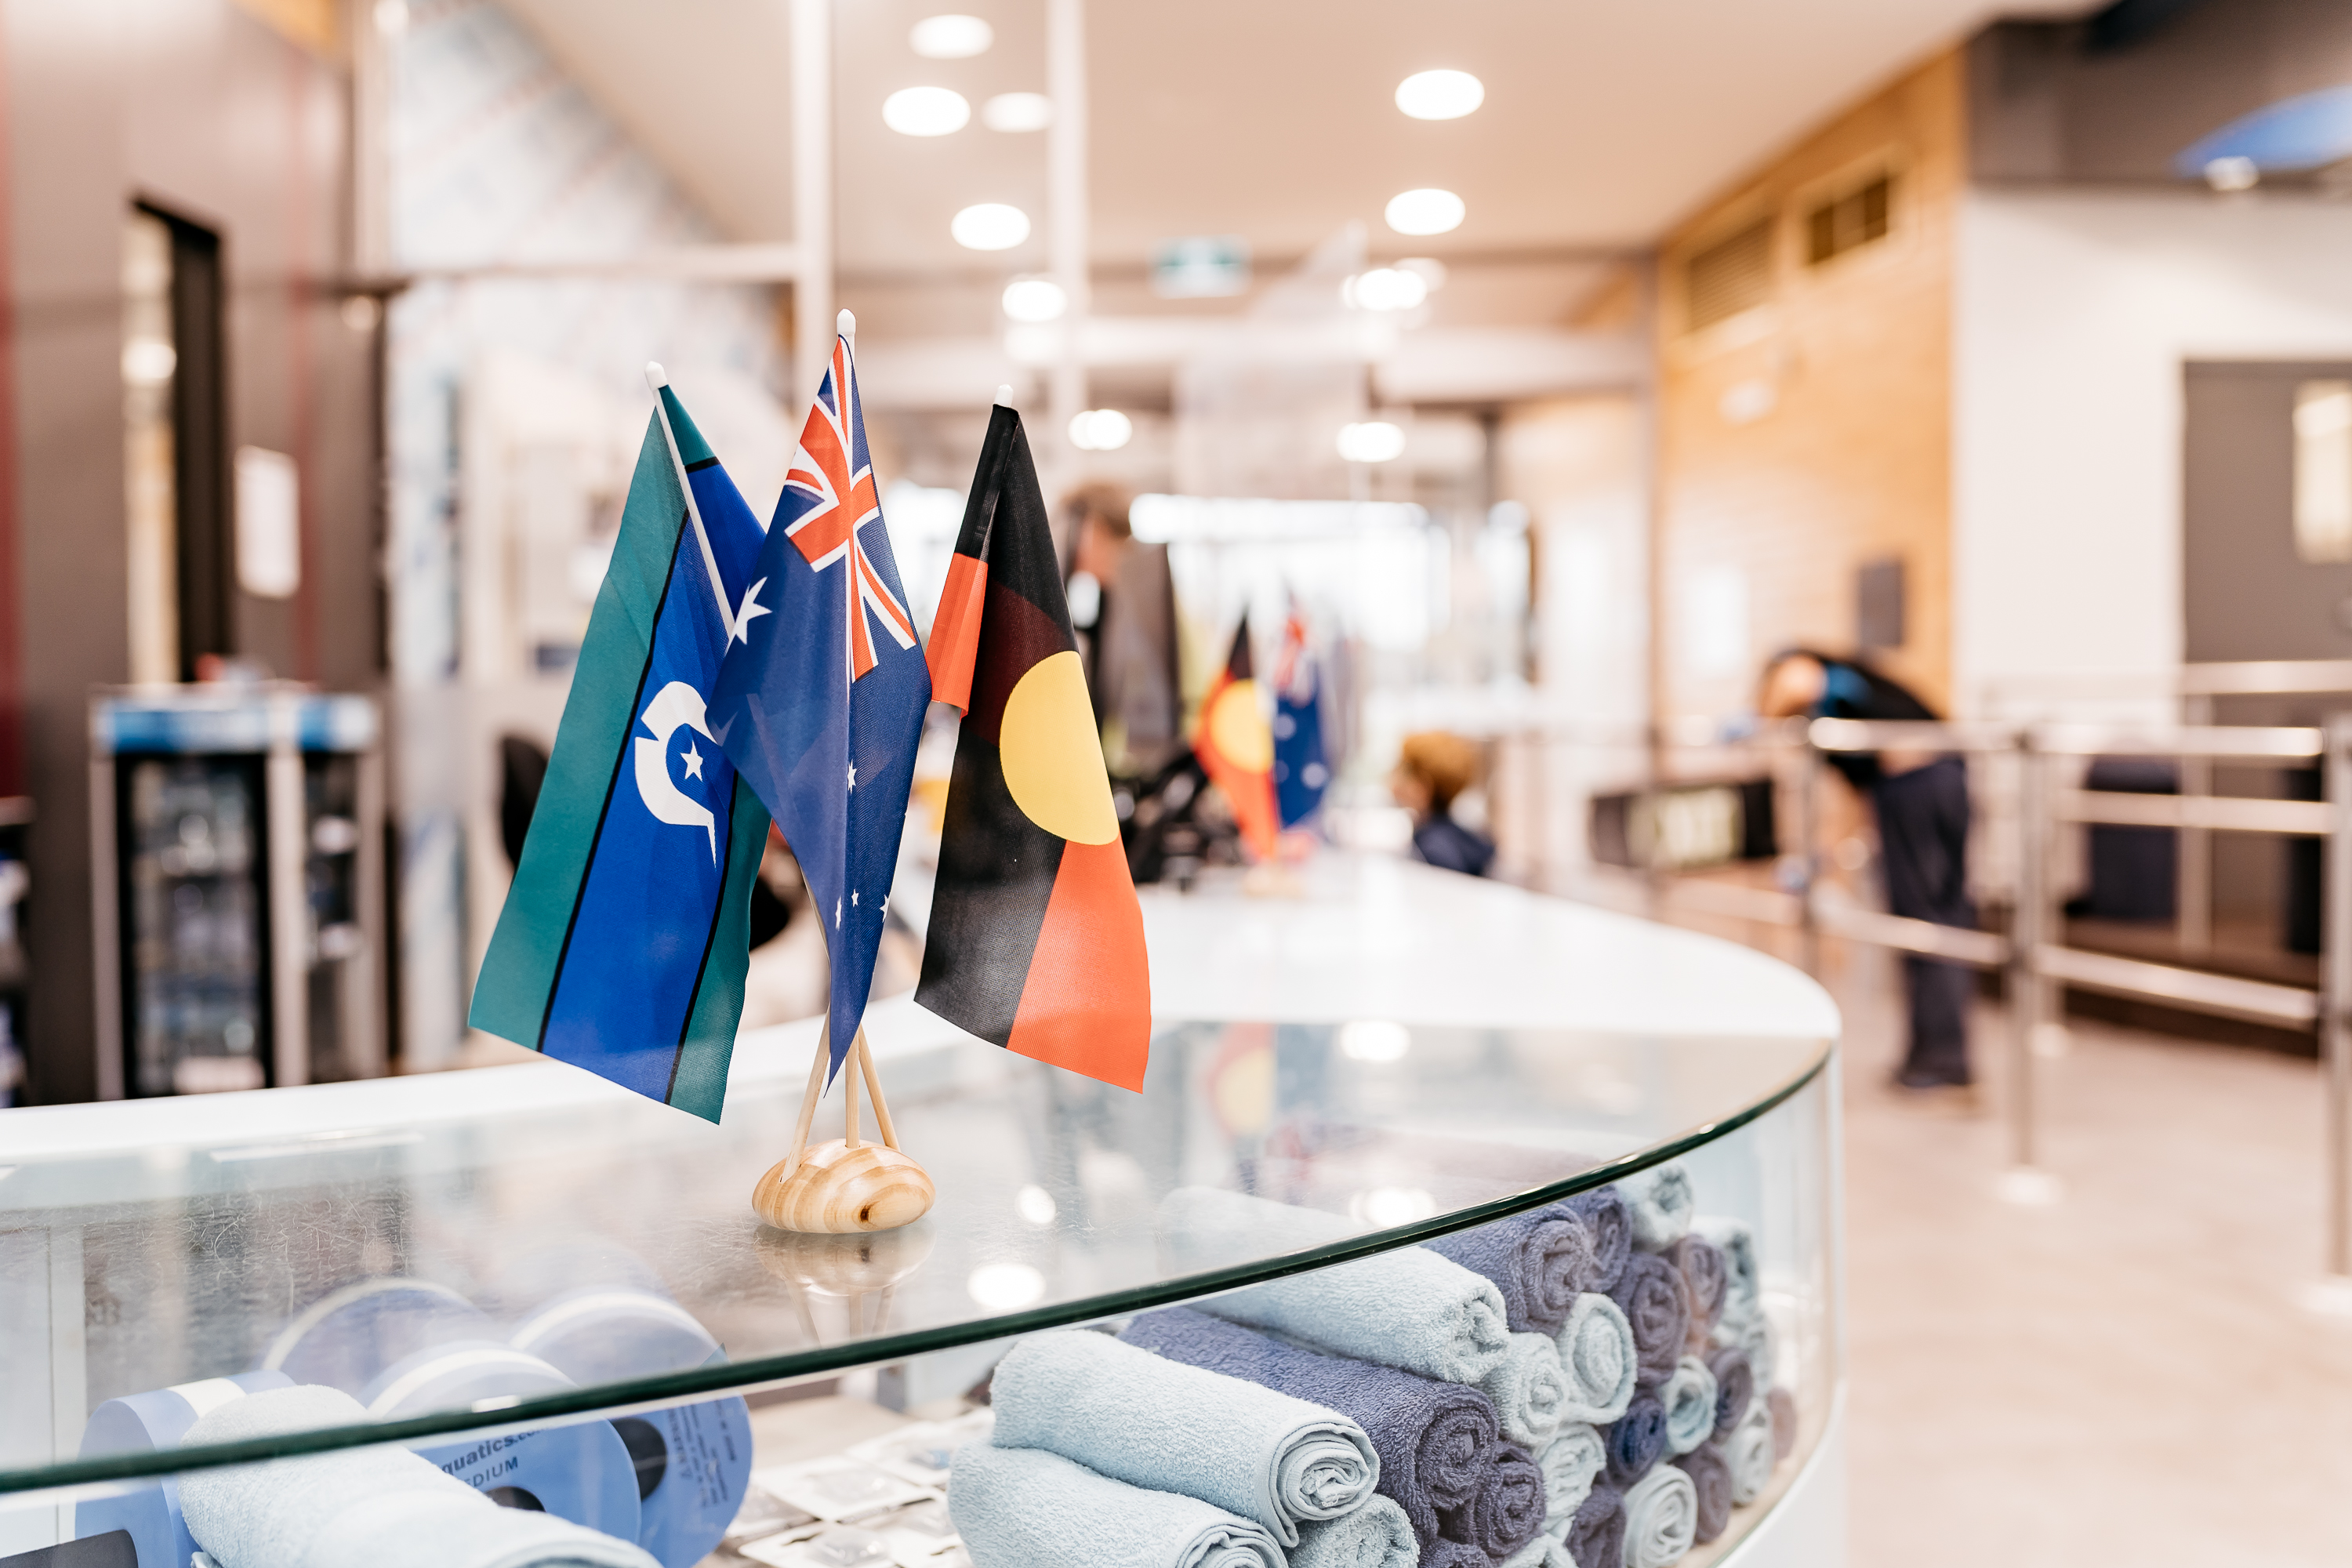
x=1529 y=1286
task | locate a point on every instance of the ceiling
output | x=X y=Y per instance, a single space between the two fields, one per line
x=1603 y=123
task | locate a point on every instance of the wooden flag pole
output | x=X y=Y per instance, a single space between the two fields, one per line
x=848 y=1185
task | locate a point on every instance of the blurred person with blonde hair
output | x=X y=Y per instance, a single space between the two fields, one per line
x=1434 y=768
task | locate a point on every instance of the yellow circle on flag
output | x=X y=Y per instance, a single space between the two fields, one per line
x=1239 y=730
x=1052 y=757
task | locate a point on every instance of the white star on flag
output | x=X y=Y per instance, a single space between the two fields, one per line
x=752 y=609
x=853 y=775
x=693 y=761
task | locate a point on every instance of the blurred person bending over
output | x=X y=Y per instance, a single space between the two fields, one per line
x=1921 y=801
x=1129 y=644
x=1433 y=769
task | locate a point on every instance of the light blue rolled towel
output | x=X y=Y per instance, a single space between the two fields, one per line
x=1598 y=1357
x=360 y=1507
x=1407 y=1307
x=1140 y=1419
x=1753 y=1337
x=1661 y=1518
x=1377 y=1535
x=1529 y=1389
x=1748 y=1452
x=1571 y=1463
x=1689 y=1398
x=1025 y=1507
x=1544 y=1551
x=1660 y=1204
x=1743 y=1291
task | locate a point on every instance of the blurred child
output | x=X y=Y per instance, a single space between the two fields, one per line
x=1433 y=768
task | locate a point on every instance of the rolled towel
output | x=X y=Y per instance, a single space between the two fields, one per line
x=1529 y=1390
x=1661 y=1518
x=1443 y=1553
x=1544 y=1551
x=1406 y=1308
x=1596 y=1353
x=1572 y=1462
x=1735 y=1389
x=1151 y=1422
x=1657 y=1308
x=1610 y=1225
x=1507 y=1510
x=1700 y=1263
x=1689 y=1399
x=1748 y=1452
x=1660 y=1204
x=1743 y=1290
x=1596 y=1536
x=342 y=1510
x=1025 y=1507
x=1783 y=1405
x=1635 y=1441
x=1711 y=1482
x=1752 y=1337
x=1539 y=1260
x=1435 y=1440
x=1377 y=1535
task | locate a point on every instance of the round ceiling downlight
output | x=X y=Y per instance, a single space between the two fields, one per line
x=950 y=37
x=990 y=226
x=1427 y=211
x=1372 y=441
x=925 y=112
x=1440 y=94
x=1035 y=299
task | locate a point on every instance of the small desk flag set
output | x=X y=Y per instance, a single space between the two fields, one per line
x=731 y=675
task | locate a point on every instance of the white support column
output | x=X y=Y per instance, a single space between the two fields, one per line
x=1067 y=221
x=813 y=308
x=373 y=48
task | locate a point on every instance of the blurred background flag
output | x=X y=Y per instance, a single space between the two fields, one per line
x=1235 y=746
x=1035 y=938
x=821 y=699
x=1301 y=769
x=622 y=945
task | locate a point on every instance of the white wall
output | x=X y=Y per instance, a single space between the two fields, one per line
x=2073 y=312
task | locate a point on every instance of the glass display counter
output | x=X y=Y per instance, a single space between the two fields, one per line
x=1521 y=1279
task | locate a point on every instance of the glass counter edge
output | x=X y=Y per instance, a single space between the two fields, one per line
x=21 y=1487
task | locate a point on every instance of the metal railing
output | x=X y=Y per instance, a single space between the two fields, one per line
x=2033 y=957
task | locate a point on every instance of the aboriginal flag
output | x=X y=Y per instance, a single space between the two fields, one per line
x=1236 y=746
x=1035 y=938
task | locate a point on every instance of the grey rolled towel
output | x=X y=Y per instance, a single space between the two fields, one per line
x=1660 y=1204
x=1596 y=1536
x=1151 y=1422
x=1529 y=1389
x=1571 y=1463
x=1597 y=1355
x=1406 y=1308
x=1544 y=1551
x=1435 y=1440
x=1656 y=1306
x=1377 y=1535
x=1539 y=1261
x=1711 y=1484
x=1610 y=1225
x=1700 y=1263
x=1743 y=1288
x=1735 y=1389
x=1748 y=1451
x=1689 y=1399
x=1635 y=1441
x=1507 y=1509
x=1025 y=1507
x=342 y=1510
x=1783 y=1405
x=1443 y=1553
x=1661 y=1518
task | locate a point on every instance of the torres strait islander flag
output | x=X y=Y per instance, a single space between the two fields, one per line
x=622 y=942
x=1235 y=746
x=1035 y=938
x=820 y=702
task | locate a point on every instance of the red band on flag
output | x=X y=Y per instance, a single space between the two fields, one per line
x=955 y=631
x=1086 y=1004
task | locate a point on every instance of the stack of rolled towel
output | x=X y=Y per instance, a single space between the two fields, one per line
x=1571 y=1387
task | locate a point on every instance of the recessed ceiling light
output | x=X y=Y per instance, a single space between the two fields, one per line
x=1384 y=288
x=1372 y=441
x=925 y=112
x=950 y=37
x=1035 y=299
x=1100 y=430
x=1018 y=112
x=2233 y=174
x=990 y=226
x=1440 y=95
x=1428 y=211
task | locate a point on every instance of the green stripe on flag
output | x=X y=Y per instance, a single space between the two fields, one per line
x=519 y=971
x=692 y=449
x=698 y=1082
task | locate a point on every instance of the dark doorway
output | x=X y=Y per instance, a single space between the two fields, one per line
x=200 y=440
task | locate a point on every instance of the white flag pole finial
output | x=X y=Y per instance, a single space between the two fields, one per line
x=656 y=377
x=1005 y=395
x=847 y=325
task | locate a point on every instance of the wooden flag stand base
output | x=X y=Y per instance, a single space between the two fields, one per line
x=847 y=1185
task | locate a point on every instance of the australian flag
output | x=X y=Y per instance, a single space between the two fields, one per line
x=1301 y=769
x=820 y=700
